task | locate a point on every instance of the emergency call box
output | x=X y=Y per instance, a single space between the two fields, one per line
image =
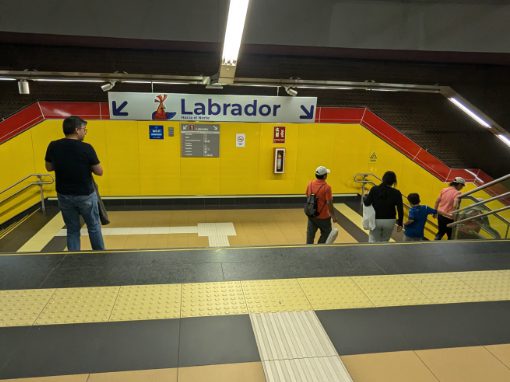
x=279 y=160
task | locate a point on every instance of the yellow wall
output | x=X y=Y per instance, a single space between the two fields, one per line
x=137 y=166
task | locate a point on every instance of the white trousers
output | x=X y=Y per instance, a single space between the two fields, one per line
x=383 y=230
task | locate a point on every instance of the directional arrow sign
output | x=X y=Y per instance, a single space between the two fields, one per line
x=117 y=111
x=308 y=113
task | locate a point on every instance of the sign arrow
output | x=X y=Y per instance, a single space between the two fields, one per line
x=308 y=113
x=117 y=111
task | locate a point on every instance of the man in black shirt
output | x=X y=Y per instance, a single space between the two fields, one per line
x=74 y=162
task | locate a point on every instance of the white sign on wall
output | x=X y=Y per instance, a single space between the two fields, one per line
x=240 y=140
x=203 y=107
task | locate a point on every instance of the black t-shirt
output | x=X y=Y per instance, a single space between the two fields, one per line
x=72 y=160
x=385 y=200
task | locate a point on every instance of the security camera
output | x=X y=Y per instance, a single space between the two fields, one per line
x=290 y=91
x=108 y=86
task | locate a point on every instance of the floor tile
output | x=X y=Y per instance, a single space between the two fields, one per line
x=95 y=348
x=216 y=340
x=79 y=305
x=501 y=352
x=22 y=307
x=444 y=288
x=493 y=285
x=392 y=290
x=147 y=302
x=274 y=296
x=155 y=375
x=60 y=378
x=334 y=293
x=245 y=372
x=213 y=299
x=469 y=364
x=403 y=366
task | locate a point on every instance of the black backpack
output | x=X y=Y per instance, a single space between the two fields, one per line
x=311 y=209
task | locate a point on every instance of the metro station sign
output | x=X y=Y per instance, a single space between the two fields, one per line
x=203 y=107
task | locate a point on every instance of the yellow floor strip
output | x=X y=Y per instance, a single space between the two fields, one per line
x=146 y=302
x=352 y=215
x=45 y=234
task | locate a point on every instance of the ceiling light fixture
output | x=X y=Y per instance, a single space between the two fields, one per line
x=234 y=32
x=469 y=112
x=23 y=87
x=504 y=139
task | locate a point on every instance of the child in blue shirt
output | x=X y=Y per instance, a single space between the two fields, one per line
x=413 y=228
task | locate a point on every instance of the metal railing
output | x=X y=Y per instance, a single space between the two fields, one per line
x=362 y=178
x=480 y=218
x=42 y=179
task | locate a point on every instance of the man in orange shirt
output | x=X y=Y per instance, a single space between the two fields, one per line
x=325 y=211
x=446 y=203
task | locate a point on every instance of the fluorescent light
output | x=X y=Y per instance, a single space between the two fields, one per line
x=136 y=82
x=7 y=79
x=469 y=112
x=506 y=140
x=234 y=33
x=65 y=80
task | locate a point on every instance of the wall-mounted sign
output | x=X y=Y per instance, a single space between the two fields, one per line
x=170 y=131
x=373 y=157
x=156 y=132
x=279 y=134
x=240 y=140
x=200 y=140
x=210 y=107
x=279 y=160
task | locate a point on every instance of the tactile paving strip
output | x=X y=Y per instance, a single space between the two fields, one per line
x=22 y=307
x=334 y=293
x=392 y=290
x=79 y=305
x=494 y=285
x=444 y=288
x=274 y=296
x=147 y=302
x=317 y=369
x=213 y=299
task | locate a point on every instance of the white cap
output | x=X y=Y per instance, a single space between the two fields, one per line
x=321 y=170
x=459 y=180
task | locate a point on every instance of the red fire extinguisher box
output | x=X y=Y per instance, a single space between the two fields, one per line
x=279 y=160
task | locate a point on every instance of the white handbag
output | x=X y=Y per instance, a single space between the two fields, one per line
x=368 y=218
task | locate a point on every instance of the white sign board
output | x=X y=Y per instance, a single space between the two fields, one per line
x=204 y=107
x=240 y=140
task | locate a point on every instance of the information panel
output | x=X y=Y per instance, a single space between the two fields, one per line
x=200 y=140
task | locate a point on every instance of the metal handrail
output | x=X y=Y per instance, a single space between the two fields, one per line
x=40 y=182
x=478 y=216
x=491 y=183
x=365 y=182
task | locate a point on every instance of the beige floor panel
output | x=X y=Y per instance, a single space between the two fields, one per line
x=22 y=307
x=147 y=302
x=334 y=293
x=155 y=375
x=501 y=352
x=468 y=364
x=274 y=296
x=402 y=366
x=213 y=299
x=393 y=290
x=71 y=305
x=237 y=372
x=495 y=285
x=444 y=288
x=60 y=378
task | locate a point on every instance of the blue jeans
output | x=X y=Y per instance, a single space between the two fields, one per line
x=72 y=206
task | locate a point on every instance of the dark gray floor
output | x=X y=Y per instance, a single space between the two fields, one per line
x=228 y=264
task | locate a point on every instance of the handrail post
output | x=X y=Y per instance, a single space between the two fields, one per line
x=43 y=206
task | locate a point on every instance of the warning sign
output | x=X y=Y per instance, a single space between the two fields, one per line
x=279 y=134
x=373 y=157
